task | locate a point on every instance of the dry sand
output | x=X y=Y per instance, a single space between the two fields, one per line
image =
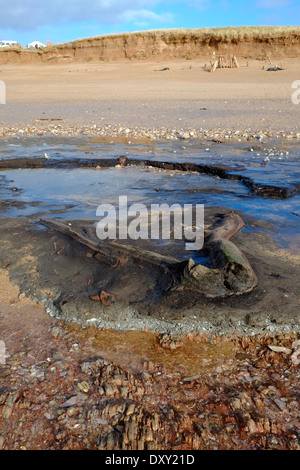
x=140 y=94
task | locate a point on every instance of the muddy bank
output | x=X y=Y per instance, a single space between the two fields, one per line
x=108 y=390
x=64 y=277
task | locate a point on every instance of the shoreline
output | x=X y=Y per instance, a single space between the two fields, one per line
x=141 y=100
x=124 y=134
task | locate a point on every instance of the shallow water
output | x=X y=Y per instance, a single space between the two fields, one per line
x=76 y=193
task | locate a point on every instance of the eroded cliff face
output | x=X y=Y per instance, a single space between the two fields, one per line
x=162 y=45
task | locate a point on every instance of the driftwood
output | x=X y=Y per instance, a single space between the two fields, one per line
x=112 y=253
x=232 y=274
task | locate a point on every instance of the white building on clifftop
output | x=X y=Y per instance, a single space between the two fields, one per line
x=35 y=45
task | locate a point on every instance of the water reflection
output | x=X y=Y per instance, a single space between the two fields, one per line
x=77 y=193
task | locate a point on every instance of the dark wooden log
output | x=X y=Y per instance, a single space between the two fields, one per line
x=113 y=251
x=232 y=273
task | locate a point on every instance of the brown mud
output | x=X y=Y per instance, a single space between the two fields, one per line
x=63 y=275
x=64 y=387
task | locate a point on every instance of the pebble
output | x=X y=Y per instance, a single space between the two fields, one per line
x=184 y=135
x=57 y=332
x=295 y=357
x=83 y=387
x=2 y=441
x=152 y=133
x=280 y=349
x=201 y=415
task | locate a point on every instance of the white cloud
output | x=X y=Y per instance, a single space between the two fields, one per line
x=146 y=16
x=272 y=4
x=29 y=15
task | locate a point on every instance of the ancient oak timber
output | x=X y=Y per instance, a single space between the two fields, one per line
x=232 y=273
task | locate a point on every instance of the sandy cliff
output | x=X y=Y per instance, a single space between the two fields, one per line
x=252 y=43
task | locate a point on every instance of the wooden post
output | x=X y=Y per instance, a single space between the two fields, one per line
x=235 y=62
x=214 y=66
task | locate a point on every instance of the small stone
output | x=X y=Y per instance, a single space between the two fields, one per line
x=70 y=402
x=184 y=135
x=280 y=349
x=2 y=442
x=190 y=379
x=57 y=332
x=280 y=403
x=117 y=380
x=295 y=357
x=5 y=264
x=60 y=435
x=130 y=409
x=109 y=391
x=71 y=412
x=145 y=376
x=8 y=407
x=83 y=387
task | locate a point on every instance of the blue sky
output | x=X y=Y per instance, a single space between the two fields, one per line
x=66 y=20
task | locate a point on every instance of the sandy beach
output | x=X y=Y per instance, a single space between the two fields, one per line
x=142 y=94
x=90 y=389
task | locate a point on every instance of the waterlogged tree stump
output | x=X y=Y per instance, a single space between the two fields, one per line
x=232 y=273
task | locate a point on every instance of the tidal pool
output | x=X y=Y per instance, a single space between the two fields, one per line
x=64 y=277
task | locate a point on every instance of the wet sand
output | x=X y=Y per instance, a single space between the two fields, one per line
x=140 y=94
